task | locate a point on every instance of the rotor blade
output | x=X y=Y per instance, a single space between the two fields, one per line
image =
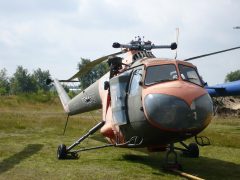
x=92 y=64
x=217 y=52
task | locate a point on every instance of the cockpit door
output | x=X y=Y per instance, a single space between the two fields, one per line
x=118 y=90
x=135 y=108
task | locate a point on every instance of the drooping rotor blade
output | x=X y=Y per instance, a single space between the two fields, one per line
x=92 y=64
x=217 y=52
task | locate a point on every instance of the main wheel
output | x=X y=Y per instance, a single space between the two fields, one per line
x=61 y=151
x=193 y=150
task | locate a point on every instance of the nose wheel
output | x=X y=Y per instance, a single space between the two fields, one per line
x=190 y=150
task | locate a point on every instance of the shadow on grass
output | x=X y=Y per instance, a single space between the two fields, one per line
x=203 y=167
x=15 y=159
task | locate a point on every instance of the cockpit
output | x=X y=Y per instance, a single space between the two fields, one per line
x=168 y=72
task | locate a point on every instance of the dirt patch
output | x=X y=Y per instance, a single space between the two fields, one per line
x=227 y=106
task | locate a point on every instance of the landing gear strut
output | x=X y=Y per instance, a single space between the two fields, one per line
x=64 y=152
x=171 y=161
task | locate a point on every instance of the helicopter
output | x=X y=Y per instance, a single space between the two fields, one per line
x=146 y=102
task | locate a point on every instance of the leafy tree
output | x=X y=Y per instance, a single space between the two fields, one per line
x=4 y=82
x=22 y=82
x=233 y=76
x=93 y=75
x=40 y=79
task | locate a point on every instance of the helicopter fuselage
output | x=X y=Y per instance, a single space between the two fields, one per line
x=160 y=101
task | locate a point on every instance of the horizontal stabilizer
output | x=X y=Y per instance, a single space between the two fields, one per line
x=225 y=89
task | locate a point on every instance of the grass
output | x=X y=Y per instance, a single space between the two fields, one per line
x=31 y=131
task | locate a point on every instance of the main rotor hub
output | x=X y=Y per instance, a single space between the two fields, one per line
x=141 y=45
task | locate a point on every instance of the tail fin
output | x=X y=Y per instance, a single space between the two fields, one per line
x=62 y=95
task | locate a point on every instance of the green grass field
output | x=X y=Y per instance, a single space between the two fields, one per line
x=30 y=132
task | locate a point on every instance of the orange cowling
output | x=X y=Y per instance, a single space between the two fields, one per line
x=111 y=130
x=112 y=133
x=107 y=131
x=181 y=89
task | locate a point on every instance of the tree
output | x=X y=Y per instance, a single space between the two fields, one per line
x=22 y=81
x=4 y=82
x=40 y=79
x=93 y=75
x=233 y=76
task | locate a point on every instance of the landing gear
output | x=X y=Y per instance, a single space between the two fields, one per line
x=64 y=152
x=202 y=140
x=190 y=150
x=193 y=150
x=171 y=161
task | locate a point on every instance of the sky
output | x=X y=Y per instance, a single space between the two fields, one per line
x=54 y=35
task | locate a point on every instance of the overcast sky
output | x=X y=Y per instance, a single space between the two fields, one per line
x=54 y=34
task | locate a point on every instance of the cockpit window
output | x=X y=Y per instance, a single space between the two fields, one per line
x=160 y=73
x=189 y=74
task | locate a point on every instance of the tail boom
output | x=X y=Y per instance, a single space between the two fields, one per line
x=87 y=100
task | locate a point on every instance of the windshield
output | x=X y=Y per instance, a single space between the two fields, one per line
x=189 y=74
x=160 y=73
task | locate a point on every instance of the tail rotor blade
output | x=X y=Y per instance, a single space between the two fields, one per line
x=217 y=52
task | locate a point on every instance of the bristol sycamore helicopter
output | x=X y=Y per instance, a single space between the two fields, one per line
x=146 y=101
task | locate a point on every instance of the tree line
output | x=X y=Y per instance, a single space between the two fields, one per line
x=24 y=82
x=233 y=76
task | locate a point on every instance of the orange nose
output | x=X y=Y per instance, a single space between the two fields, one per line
x=183 y=90
x=178 y=106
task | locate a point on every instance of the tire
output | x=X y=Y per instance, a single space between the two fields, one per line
x=193 y=150
x=62 y=151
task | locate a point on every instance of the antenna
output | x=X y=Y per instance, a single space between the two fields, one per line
x=177 y=35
